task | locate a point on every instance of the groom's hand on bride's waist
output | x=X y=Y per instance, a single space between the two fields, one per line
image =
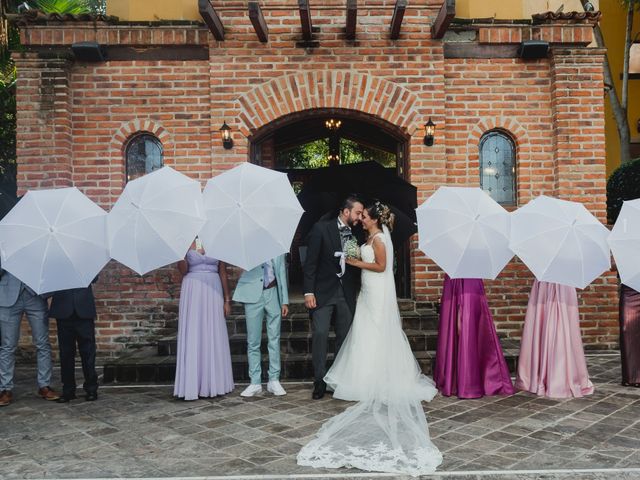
x=310 y=301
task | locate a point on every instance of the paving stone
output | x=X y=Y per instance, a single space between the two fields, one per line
x=145 y=432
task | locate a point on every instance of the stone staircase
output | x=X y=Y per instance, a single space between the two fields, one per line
x=158 y=364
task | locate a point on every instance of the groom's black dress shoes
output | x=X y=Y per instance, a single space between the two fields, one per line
x=319 y=388
x=66 y=398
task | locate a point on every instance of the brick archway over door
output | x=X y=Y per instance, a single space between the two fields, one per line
x=327 y=89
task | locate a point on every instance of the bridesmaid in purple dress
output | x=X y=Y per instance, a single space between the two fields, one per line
x=552 y=362
x=203 y=365
x=469 y=358
x=630 y=336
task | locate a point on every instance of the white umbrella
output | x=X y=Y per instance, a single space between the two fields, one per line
x=560 y=241
x=155 y=220
x=624 y=241
x=54 y=240
x=465 y=232
x=252 y=214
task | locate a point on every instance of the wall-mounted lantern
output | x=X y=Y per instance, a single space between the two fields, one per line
x=225 y=132
x=429 y=132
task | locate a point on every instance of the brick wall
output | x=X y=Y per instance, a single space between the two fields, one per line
x=552 y=108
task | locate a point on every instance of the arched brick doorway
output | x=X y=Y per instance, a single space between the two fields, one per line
x=300 y=142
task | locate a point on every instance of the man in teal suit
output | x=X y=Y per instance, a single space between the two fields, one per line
x=263 y=290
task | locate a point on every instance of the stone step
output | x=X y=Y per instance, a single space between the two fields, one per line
x=300 y=322
x=297 y=327
x=144 y=365
x=157 y=364
x=296 y=306
x=300 y=342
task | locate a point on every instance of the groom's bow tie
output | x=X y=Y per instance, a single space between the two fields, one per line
x=344 y=230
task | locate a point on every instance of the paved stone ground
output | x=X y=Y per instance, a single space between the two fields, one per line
x=141 y=431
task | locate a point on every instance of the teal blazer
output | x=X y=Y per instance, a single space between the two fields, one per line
x=250 y=283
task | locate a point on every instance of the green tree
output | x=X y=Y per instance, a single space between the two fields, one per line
x=9 y=40
x=623 y=184
x=310 y=155
x=315 y=154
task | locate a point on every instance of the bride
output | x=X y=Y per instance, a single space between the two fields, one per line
x=386 y=431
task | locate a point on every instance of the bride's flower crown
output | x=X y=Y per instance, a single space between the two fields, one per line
x=384 y=214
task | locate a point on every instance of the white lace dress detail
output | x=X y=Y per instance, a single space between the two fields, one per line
x=386 y=431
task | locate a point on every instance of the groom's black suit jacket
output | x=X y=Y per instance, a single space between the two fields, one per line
x=321 y=266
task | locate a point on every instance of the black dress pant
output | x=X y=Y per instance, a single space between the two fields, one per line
x=321 y=321
x=78 y=330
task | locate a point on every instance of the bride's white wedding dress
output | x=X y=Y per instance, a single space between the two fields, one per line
x=386 y=431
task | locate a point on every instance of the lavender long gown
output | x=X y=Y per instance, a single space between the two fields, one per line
x=203 y=366
x=469 y=358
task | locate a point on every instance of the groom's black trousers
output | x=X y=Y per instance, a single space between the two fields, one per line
x=321 y=321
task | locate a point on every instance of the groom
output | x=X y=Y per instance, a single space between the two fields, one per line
x=328 y=287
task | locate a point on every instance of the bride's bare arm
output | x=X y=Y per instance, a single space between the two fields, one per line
x=380 y=261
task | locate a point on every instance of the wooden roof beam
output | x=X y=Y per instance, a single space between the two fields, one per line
x=211 y=18
x=396 y=19
x=305 y=19
x=352 y=18
x=258 y=21
x=443 y=20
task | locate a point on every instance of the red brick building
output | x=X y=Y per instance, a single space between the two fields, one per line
x=178 y=83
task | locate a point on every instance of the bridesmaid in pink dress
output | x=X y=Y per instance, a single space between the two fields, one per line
x=203 y=363
x=469 y=358
x=552 y=362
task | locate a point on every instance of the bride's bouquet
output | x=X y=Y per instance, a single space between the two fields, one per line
x=352 y=249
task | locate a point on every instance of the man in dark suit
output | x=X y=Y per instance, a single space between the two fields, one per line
x=75 y=312
x=328 y=287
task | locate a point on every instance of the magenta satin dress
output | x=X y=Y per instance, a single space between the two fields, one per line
x=469 y=359
x=203 y=363
x=552 y=362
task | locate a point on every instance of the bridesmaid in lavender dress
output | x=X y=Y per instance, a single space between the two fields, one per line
x=469 y=358
x=552 y=362
x=203 y=366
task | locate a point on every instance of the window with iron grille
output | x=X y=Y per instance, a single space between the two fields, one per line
x=143 y=154
x=498 y=167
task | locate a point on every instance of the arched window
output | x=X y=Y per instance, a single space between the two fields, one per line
x=498 y=167
x=143 y=154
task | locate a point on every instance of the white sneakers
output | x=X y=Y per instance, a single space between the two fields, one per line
x=274 y=387
x=251 y=390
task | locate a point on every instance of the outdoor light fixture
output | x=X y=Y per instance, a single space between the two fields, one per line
x=531 y=49
x=225 y=132
x=429 y=131
x=332 y=124
x=88 y=52
x=333 y=159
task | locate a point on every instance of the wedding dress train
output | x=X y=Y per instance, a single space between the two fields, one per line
x=386 y=431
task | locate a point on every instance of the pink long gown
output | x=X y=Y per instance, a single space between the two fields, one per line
x=552 y=362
